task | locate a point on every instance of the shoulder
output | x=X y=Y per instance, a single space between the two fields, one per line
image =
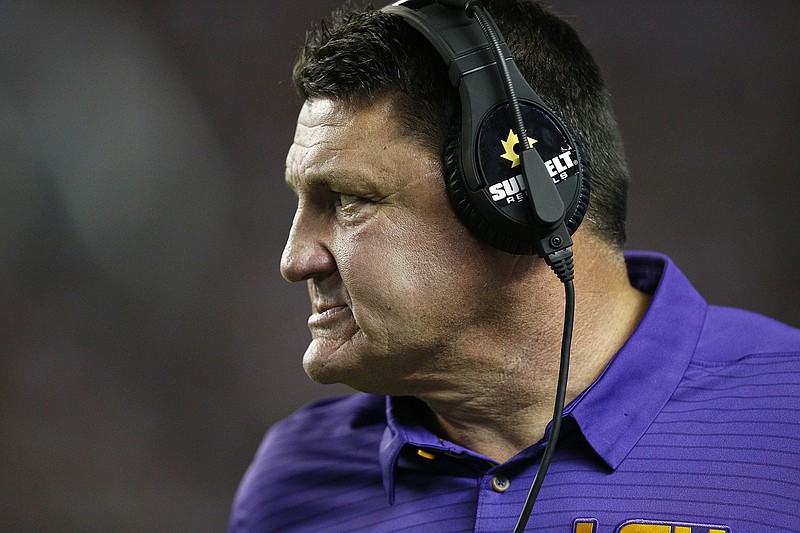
x=311 y=448
x=747 y=366
x=729 y=335
x=330 y=418
x=325 y=424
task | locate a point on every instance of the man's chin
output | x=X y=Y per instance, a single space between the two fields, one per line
x=327 y=365
x=326 y=361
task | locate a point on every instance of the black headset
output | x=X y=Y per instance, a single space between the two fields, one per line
x=522 y=200
x=516 y=199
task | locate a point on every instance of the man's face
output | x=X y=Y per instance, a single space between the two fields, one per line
x=396 y=282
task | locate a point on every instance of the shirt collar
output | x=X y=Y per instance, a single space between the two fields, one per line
x=616 y=410
x=405 y=427
x=393 y=439
x=402 y=429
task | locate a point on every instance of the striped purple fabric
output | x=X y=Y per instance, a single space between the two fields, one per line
x=694 y=427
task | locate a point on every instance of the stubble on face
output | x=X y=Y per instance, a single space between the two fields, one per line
x=403 y=277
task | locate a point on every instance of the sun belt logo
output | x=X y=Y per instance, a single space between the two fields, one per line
x=508 y=145
x=513 y=189
x=559 y=165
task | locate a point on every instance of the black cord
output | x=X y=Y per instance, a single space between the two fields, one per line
x=558 y=409
x=560 y=261
x=477 y=11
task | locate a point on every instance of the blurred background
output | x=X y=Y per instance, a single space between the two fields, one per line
x=147 y=339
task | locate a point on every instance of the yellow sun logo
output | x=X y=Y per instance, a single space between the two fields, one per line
x=508 y=146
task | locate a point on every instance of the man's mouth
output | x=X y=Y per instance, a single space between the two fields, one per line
x=325 y=314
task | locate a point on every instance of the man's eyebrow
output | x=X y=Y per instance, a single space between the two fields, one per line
x=353 y=180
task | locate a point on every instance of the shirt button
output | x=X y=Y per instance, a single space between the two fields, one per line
x=500 y=483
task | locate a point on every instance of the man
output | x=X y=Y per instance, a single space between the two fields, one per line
x=681 y=417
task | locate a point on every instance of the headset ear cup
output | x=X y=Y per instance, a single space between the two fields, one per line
x=464 y=207
x=477 y=223
x=574 y=219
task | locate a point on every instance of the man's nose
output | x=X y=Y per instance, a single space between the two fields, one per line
x=306 y=254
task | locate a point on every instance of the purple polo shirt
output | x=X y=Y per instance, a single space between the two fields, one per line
x=694 y=427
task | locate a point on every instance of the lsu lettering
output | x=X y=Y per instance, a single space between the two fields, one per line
x=590 y=525
x=585 y=526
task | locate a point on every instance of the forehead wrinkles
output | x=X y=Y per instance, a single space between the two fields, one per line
x=326 y=129
x=336 y=141
x=319 y=127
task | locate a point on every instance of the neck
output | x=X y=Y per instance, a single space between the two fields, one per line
x=504 y=398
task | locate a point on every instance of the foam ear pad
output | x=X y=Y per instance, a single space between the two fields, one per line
x=480 y=215
x=574 y=219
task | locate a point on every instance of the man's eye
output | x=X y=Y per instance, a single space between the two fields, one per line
x=348 y=200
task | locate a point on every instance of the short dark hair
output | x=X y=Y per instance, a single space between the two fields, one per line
x=363 y=54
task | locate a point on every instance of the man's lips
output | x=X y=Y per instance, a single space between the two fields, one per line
x=325 y=314
x=321 y=306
